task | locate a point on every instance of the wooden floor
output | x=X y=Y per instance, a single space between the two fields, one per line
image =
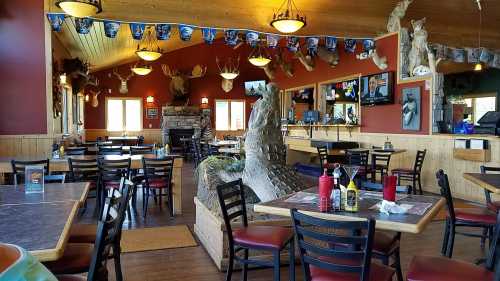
x=194 y=263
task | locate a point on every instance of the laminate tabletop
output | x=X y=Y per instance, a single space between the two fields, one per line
x=53 y=192
x=489 y=182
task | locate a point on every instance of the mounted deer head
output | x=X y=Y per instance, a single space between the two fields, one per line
x=331 y=58
x=286 y=66
x=306 y=61
x=231 y=69
x=123 y=81
x=179 y=83
x=95 y=98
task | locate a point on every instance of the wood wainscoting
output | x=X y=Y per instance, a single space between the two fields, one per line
x=439 y=156
x=33 y=146
x=150 y=135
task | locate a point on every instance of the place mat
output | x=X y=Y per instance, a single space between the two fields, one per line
x=302 y=197
x=157 y=238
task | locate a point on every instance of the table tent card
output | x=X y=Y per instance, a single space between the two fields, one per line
x=34 y=179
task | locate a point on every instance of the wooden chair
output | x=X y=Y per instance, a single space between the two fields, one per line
x=110 y=174
x=380 y=163
x=85 y=170
x=18 y=168
x=141 y=150
x=140 y=141
x=466 y=217
x=426 y=268
x=413 y=175
x=359 y=158
x=158 y=176
x=272 y=239
x=70 y=151
x=492 y=205
x=110 y=150
x=322 y=260
x=323 y=159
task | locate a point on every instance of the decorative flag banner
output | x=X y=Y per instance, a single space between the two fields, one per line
x=312 y=45
x=368 y=45
x=473 y=55
x=111 y=28
x=331 y=43
x=486 y=56
x=137 y=30
x=272 y=40
x=252 y=38
x=350 y=45
x=293 y=43
x=56 y=21
x=231 y=37
x=83 y=25
x=185 y=32
x=209 y=34
x=163 y=31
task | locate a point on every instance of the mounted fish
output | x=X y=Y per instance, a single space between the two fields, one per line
x=123 y=81
x=228 y=72
x=179 y=83
x=286 y=66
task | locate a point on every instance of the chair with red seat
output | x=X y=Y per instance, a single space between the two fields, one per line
x=352 y=261
x=423 y=268
x=85 y=170
x=158 y=177
x=273 y=239
x=413 y=175
x=357 y=157
x=110 y=174
x=380 y=163
x=457 y=217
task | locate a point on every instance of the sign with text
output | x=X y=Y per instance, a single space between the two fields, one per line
x=34 y=179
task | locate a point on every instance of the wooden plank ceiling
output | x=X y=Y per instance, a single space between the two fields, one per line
x=451 y=22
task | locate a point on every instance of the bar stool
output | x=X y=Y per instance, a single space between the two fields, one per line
x=413 y=175
x=273 y=239
x=424 y=268
x=469 y=217
x=322 y=262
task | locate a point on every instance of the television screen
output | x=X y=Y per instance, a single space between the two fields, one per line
x=377 y=89
x=346 y=91
x=255 y=88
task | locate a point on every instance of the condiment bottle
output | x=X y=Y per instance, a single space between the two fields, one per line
x=352 y=197
x=336 y=196
x=325 y=189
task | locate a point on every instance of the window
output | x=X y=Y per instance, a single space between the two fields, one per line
x=124 y=114
x=229 y=115
x=480 y=105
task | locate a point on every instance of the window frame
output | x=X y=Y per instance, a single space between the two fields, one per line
x=124 y=119
x=229 y=101
x=473 y=98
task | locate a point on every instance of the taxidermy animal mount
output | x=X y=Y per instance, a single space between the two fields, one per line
x=306 y=61
x=270 y=70
x=331 y=58
x=179 y=83
x=419 y=64
x=77 y=72
x=123 y=81
x=286 y=66
x=229 y=68
x=394 y=24
x=94 y=90
x=380 y=62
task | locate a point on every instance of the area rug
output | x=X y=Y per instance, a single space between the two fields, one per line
x=457 y=204
x=157 y=238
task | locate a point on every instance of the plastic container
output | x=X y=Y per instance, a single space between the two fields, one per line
x=324 y=191
x=390 y=188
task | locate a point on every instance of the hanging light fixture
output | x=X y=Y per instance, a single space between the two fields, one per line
x=479 y=67
x=287 y=18
x=258 y=56
x=148 y=49
x=80 y=8
x=141 y=68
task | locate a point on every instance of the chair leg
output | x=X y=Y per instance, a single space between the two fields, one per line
x=414 y=186
x=229 y=272
x=483 y=237
x=244 y=271
x=159 y=196
x=276 y=259
x=397 y=265
x=171 y=201
x=451 y=241
x=420 y=185
x=117 y=262
x=445 y=237
x=291 y=254
x=146 y=203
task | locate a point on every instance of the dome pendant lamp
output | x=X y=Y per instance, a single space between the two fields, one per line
x=80 y=8
x=287 y=18
x=148 y=49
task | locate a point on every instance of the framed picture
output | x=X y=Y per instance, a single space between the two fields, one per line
x=411 y=109
x=152 y=113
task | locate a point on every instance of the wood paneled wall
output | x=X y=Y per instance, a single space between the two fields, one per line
x=150 y=135
x=33 y=146
x=439 y=156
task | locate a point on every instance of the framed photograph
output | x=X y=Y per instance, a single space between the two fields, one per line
x=152 y=113
x=411 y=109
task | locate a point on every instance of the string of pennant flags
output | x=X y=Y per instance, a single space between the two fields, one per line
x=231 y=36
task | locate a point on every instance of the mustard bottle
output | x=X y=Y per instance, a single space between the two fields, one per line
x=61 y=151
x=352 y=197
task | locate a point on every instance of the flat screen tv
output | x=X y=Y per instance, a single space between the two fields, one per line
x=344 y=91
x=377 y=89
x=255 y=88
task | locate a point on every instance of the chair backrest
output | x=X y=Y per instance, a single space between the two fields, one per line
x=113 y=170
x=140 y=141
x=158 y=168
x=61 y=178
x=486 y=170
x=83 y=169
x=88 y=144
x=357 y=158
x=139 y=150
x=232 y=203
x=419 y=160
x=75 y=151
x=110 y=150
x=9 y=254
x=316 y=236
x=381 y=159
x=18 y=167
x=444 y=187
x=494 y=253
x=323 y=156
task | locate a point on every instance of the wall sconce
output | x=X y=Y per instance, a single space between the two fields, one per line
x=204 y=100
x=87 y=98
x=150 y=99
x=62 y=79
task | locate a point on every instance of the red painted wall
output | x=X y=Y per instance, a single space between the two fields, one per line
x=22 y=68
x=376 y=119
x=157 y=84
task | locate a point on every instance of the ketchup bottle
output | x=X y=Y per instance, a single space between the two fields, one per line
x=325 y=190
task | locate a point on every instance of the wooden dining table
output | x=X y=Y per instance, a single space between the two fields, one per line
x=40 y=222
x=61 y=165
x=408 y=223
x=490 y=182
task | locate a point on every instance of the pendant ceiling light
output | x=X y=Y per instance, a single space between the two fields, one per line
x=479 y=67
x=80 y=8
x=148 y=49
x=141 y=68
x=258 y=56
x=287 y=18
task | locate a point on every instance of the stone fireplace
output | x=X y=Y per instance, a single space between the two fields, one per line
x=180 y=122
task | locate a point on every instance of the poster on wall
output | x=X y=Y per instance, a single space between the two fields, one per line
x=411 y=110
x=152 y=113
